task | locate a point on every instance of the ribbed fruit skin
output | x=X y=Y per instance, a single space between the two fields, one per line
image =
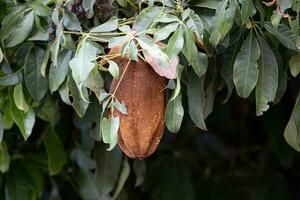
x=142 y=91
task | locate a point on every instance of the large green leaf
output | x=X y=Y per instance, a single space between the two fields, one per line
x=19 y=98
x=71 y=22
x=146 y=17
x=36 y=84
x=21 y=31
x=87 y=185
x=248 y=10
x=195 y=24
x=292 y=130
x=56 y=154
x=245 y=69
x=110 y=25
x=24 y=120
x=196 y=100
x=268 y=77
x=284 y=34
x=175 y=43
x=174 y=114
x=57 y=74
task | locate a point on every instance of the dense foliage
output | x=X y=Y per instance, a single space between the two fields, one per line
x=58 y=140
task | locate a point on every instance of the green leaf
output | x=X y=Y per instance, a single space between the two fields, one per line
x=19 y=98
x=222 y=21
x=133 y=51
x=24 y=120
x=248 y=10
x=211 y=4
x=56 y=154
x=113 y=69
x=146 y=17
x=178 y=84
x=2 y=126
x=196 y=100
x=295 y=65
x=195 y=24
x=45 y=62
x=36 y=84
x=120 y=107
x=198 y=60
x=83 y=62
x=87 y=185
x=41 y=9
x=71 y=22
x=268 y=78
x=110 y=129
x=83 y=158
x=175 y=43
x=283 y=34
x=139 y=168
x=57 y=74
x=94 y=82
x=164 y=32
x=21 y=31
x=78 y=103
x=245 y=69
x=12 y=79
x=4 y=158
x=108 y=169
x=292 y=130
x=110 y=25
x=174 y=114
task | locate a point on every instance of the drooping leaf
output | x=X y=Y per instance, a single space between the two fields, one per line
x=113 y=69
x=268 y=77
x=36 y=84
x=196 y=100
x=57 y=74
x=83 y=62
x=164 y=32
x=110 y=129
x=175 y=43
x=87 y=185
x=139 y=168
x=195 y=24
x=94 y=82
x=174 y=114
x=55 y=152
x=223 y=21
x=245 y=69
x=197 y=59
x=24 y=120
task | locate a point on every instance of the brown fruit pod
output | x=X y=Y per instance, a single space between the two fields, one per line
x=142 y=92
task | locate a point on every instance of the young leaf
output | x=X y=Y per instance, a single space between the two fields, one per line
x=196 y=100
x=56 y=154
x=57 y=74
x=174 y=114
x=245 y=69
x=110 y=129
x=19 y=98
x=113 y=69
x=36 y=84
x=268 y=78
x=292 y=130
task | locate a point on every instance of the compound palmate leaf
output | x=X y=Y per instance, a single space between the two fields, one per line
x=245 y=69
x=268 y=77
